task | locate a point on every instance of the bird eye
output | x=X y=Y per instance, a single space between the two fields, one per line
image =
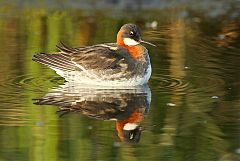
x=131 y=33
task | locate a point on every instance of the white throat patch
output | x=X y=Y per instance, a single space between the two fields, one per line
x=130 y=126
x=130 y=42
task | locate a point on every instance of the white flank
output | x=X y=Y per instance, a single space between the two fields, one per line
x=88 y=77
x=130 y=126
x=85 y=77
x=147 y=75
x=130 y=42
x=84 y=70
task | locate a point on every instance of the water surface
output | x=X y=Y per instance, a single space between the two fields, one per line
x=190 y=109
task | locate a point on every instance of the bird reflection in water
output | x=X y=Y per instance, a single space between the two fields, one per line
x=127 y=106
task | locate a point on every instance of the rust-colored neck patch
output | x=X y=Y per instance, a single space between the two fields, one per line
x=136 y=51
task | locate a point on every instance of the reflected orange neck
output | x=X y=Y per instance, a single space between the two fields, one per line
x=134 y=118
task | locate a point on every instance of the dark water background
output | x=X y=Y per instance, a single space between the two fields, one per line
x=194 y=113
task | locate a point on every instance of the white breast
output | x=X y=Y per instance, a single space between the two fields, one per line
x=147 y=76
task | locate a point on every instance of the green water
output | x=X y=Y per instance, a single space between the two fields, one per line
x=189 y=112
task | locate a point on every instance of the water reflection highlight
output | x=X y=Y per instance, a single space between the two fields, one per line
x=126 y=106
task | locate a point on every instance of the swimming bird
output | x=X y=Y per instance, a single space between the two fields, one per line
x=124 y=63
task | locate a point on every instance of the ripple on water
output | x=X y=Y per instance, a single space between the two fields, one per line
x=194 y=83
x=16 y=97
x=14 y=117
x=166 y=83
x=31 y=82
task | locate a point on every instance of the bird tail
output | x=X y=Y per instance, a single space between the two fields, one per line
x=55 y=61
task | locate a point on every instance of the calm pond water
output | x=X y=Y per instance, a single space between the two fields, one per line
x=190 y=110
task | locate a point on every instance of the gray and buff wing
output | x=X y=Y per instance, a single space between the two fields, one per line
x=104 y=59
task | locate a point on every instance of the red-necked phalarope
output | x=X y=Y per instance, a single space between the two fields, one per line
x=125 y=63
